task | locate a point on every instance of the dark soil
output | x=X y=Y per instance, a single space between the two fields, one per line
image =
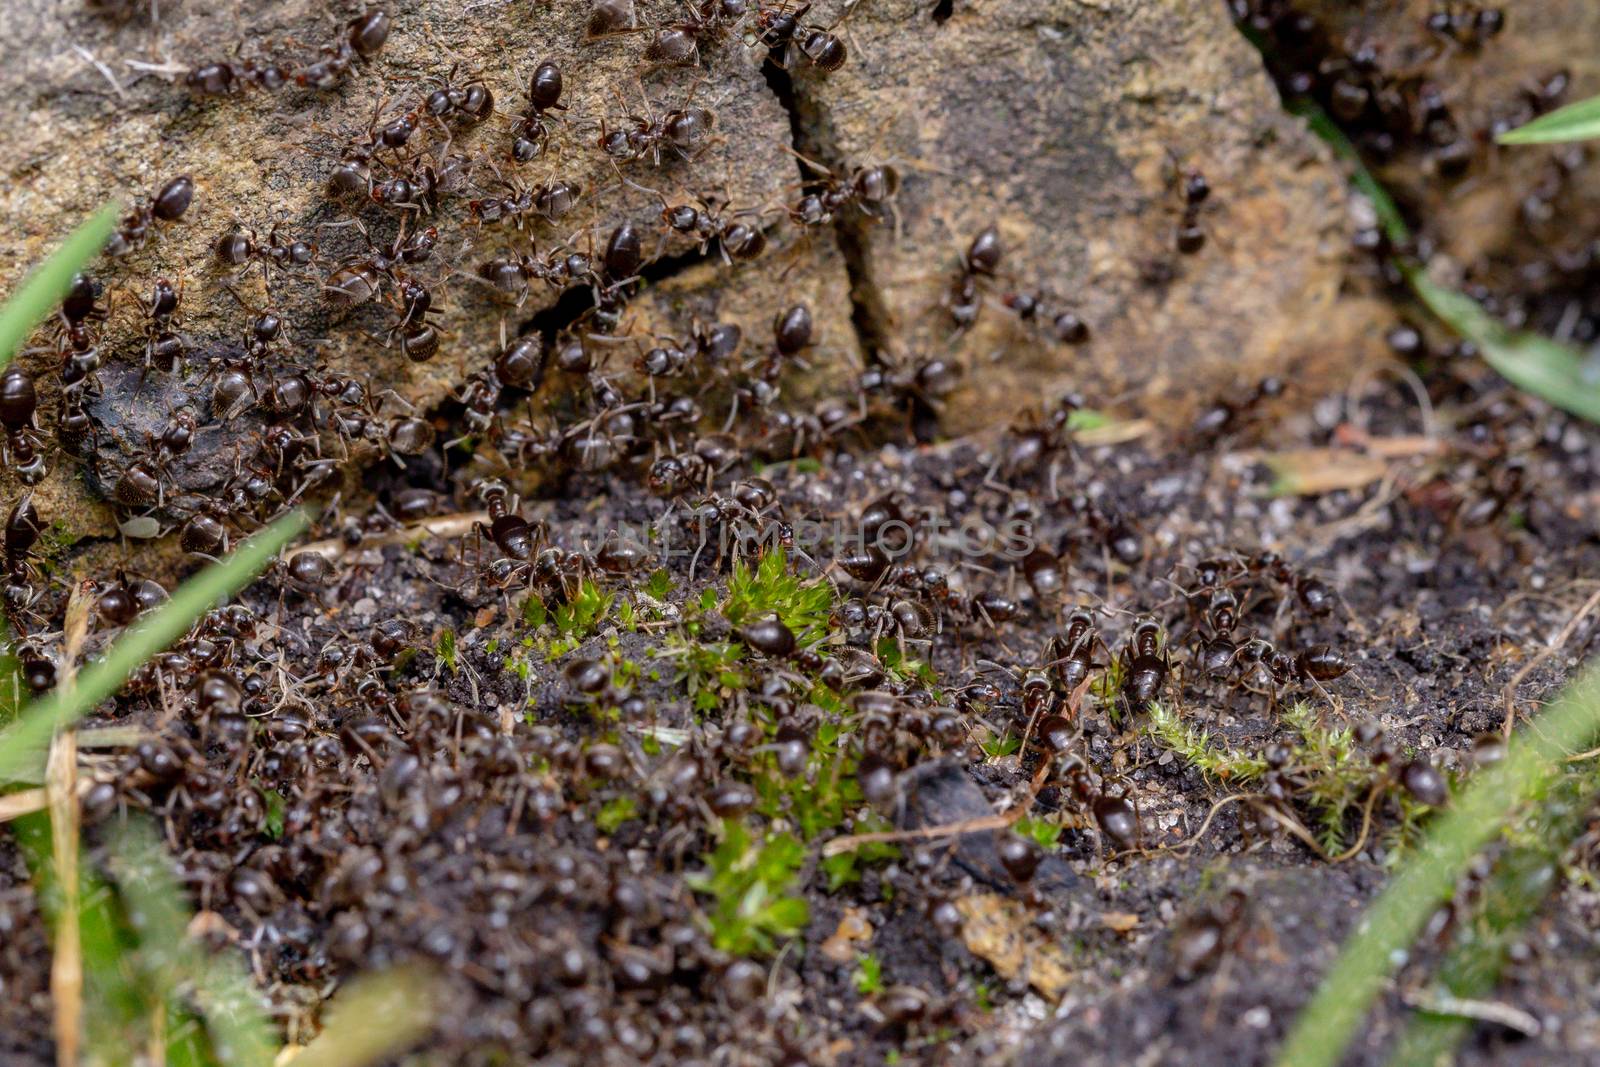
x=447 y=812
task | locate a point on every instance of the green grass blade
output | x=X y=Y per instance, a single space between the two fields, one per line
x=1389 y=216
x=1551 y=371
x=1576 y=122
x=374 y=1018
x=1328 y=1023
x=1523 y=879
x=44 y=288
x=23 y=743
x=119 y=1004
x=1548 y=369
x=155 y=902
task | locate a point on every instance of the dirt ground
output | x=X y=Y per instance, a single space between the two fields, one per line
x=1434 y=613
x=610 y=719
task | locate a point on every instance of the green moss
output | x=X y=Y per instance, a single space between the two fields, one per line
x=444 y=649
x=750 y=881
x=1001 y=745
x=1046 y=834
x=868 y=976
x=616 y=811
x=659 y=585
x=804 y=606
x=1198 y=750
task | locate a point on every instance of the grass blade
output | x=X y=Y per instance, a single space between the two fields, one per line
x=22 y=745
x=1551 y=371
x=1523 y=879
x=1532 y=760
x=239 y=1032
x=1548 y=369
x=117 y=998
x=1389 y=216
x=1576 y=122
x=44 y=288
x=376 y=1017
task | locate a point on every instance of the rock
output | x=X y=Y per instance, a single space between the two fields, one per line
x=1057 y=124
x=261 y=160
x=1070 y=128
x=941 y=793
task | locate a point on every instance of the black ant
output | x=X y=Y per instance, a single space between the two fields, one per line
x=780 y=31
x=510 y=533
x=21 y=534
x=559 y=268
x=1228 y=415
x=1031 y=307
x=240 y=245
x=532 y=134
x=419 y=338
x=964 y=298
x=680 y=473
x=227 y=77
x=1311 y=666
x=1466 y=24
x=678 y=44
x=141 y=482
x=1314 y=595
x=792 y=333
x=358 y=280
x=169 y=204
x=23 y=451
x=363 y=37
x=870 y=190
x=683 y=131
x=1071 y=653
x=705 y=221
x=712 y=346
x=470 y=101
x=1031 y=443
x=77 y=341
x=1145 y=665
x=550 y=201
x=607 y=18
x=162 y=346
x=1189 y=237
x=265 y=329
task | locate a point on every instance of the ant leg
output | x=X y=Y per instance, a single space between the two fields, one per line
x=808 y=161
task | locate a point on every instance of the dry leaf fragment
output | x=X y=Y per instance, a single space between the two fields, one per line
x=1001 y=931
x=1314 y=471
x=1121 y=922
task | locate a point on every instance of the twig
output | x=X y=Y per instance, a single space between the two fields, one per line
x=998 y=821
x=66 y=969
x=1205 y=824
x=1294 y=826
x=61 y=794
x=24 y=802
x=27 y=801
x=1438 y=1002
x=156 y=68
x=74 y=629
x=1510 y=692
x=458 y=525
x=102 y=68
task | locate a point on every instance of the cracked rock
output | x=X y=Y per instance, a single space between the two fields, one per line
x=1070 y=128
